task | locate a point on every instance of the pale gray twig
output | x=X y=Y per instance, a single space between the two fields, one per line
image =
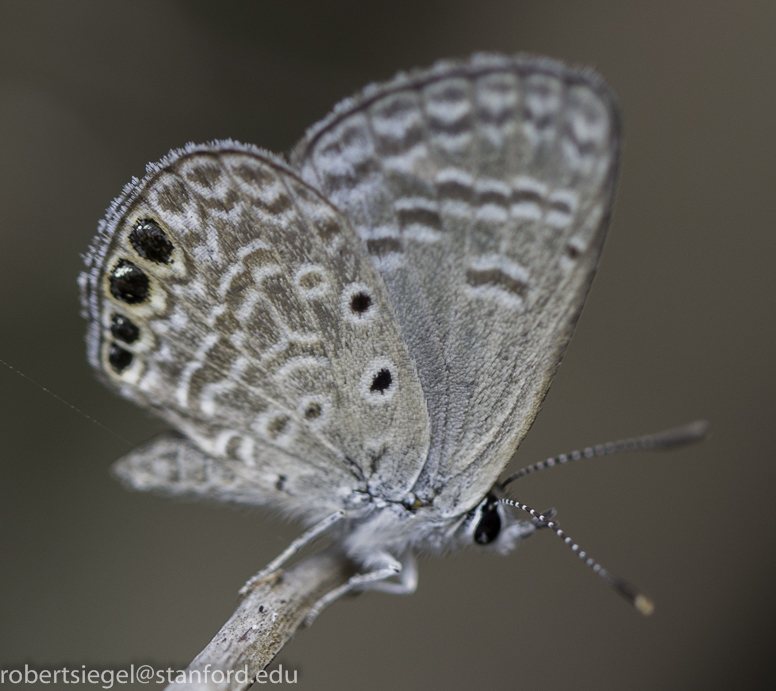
x=262 y=624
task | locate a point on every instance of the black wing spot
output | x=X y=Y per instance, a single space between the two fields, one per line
x=119 y=358
x=360 y=302
x=151 y=242
x=313 y=411
x=128 y=283
x=123 y=329
x=382 y=381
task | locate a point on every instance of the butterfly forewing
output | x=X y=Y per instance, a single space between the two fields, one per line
x=481 y=191
x=387 y=314
x=229 y=296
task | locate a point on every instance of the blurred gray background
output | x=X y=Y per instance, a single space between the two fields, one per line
x=679 y=325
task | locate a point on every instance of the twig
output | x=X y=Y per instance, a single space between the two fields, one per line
x=263 y=623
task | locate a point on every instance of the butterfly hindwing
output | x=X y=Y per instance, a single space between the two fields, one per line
x=229 y=296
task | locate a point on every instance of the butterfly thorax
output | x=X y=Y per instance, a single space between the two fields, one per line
x=398 y=528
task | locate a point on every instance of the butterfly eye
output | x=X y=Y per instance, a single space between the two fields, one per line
x=489 y=526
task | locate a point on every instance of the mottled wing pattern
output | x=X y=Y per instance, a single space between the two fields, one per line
x=481 y=190
x=173 y=465
x=230 y=297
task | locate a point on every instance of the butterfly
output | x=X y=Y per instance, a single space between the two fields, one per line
x=361 y=334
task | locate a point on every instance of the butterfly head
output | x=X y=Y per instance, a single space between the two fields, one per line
x=492 y=526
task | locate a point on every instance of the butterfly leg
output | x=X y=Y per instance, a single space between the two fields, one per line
x=304 y=539
x=408 y=579
x=386 y=567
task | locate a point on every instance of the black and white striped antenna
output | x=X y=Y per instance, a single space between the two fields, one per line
x=668 y=439
x=660 y=441
x=636 y=598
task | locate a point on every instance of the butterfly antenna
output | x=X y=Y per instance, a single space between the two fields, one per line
x=679 y=436
x=69 y=405
x=636 y=598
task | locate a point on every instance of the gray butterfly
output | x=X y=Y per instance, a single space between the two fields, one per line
x=362 y=335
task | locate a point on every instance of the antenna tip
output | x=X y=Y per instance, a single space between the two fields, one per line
x=688 y=434
x=644 y=604
x=698 y=429
x=640 y=601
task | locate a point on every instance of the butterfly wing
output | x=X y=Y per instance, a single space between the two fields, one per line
x=227 y=295
x=481 y=191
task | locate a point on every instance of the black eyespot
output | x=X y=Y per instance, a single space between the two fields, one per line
x=313 y=411
x=123 y=329
x=360 y=302
x=128 y=283
x=119 y=358
x=572 y=251
x=151 y=242
x=489 y=526
x=281 y=483
x=381 y=381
